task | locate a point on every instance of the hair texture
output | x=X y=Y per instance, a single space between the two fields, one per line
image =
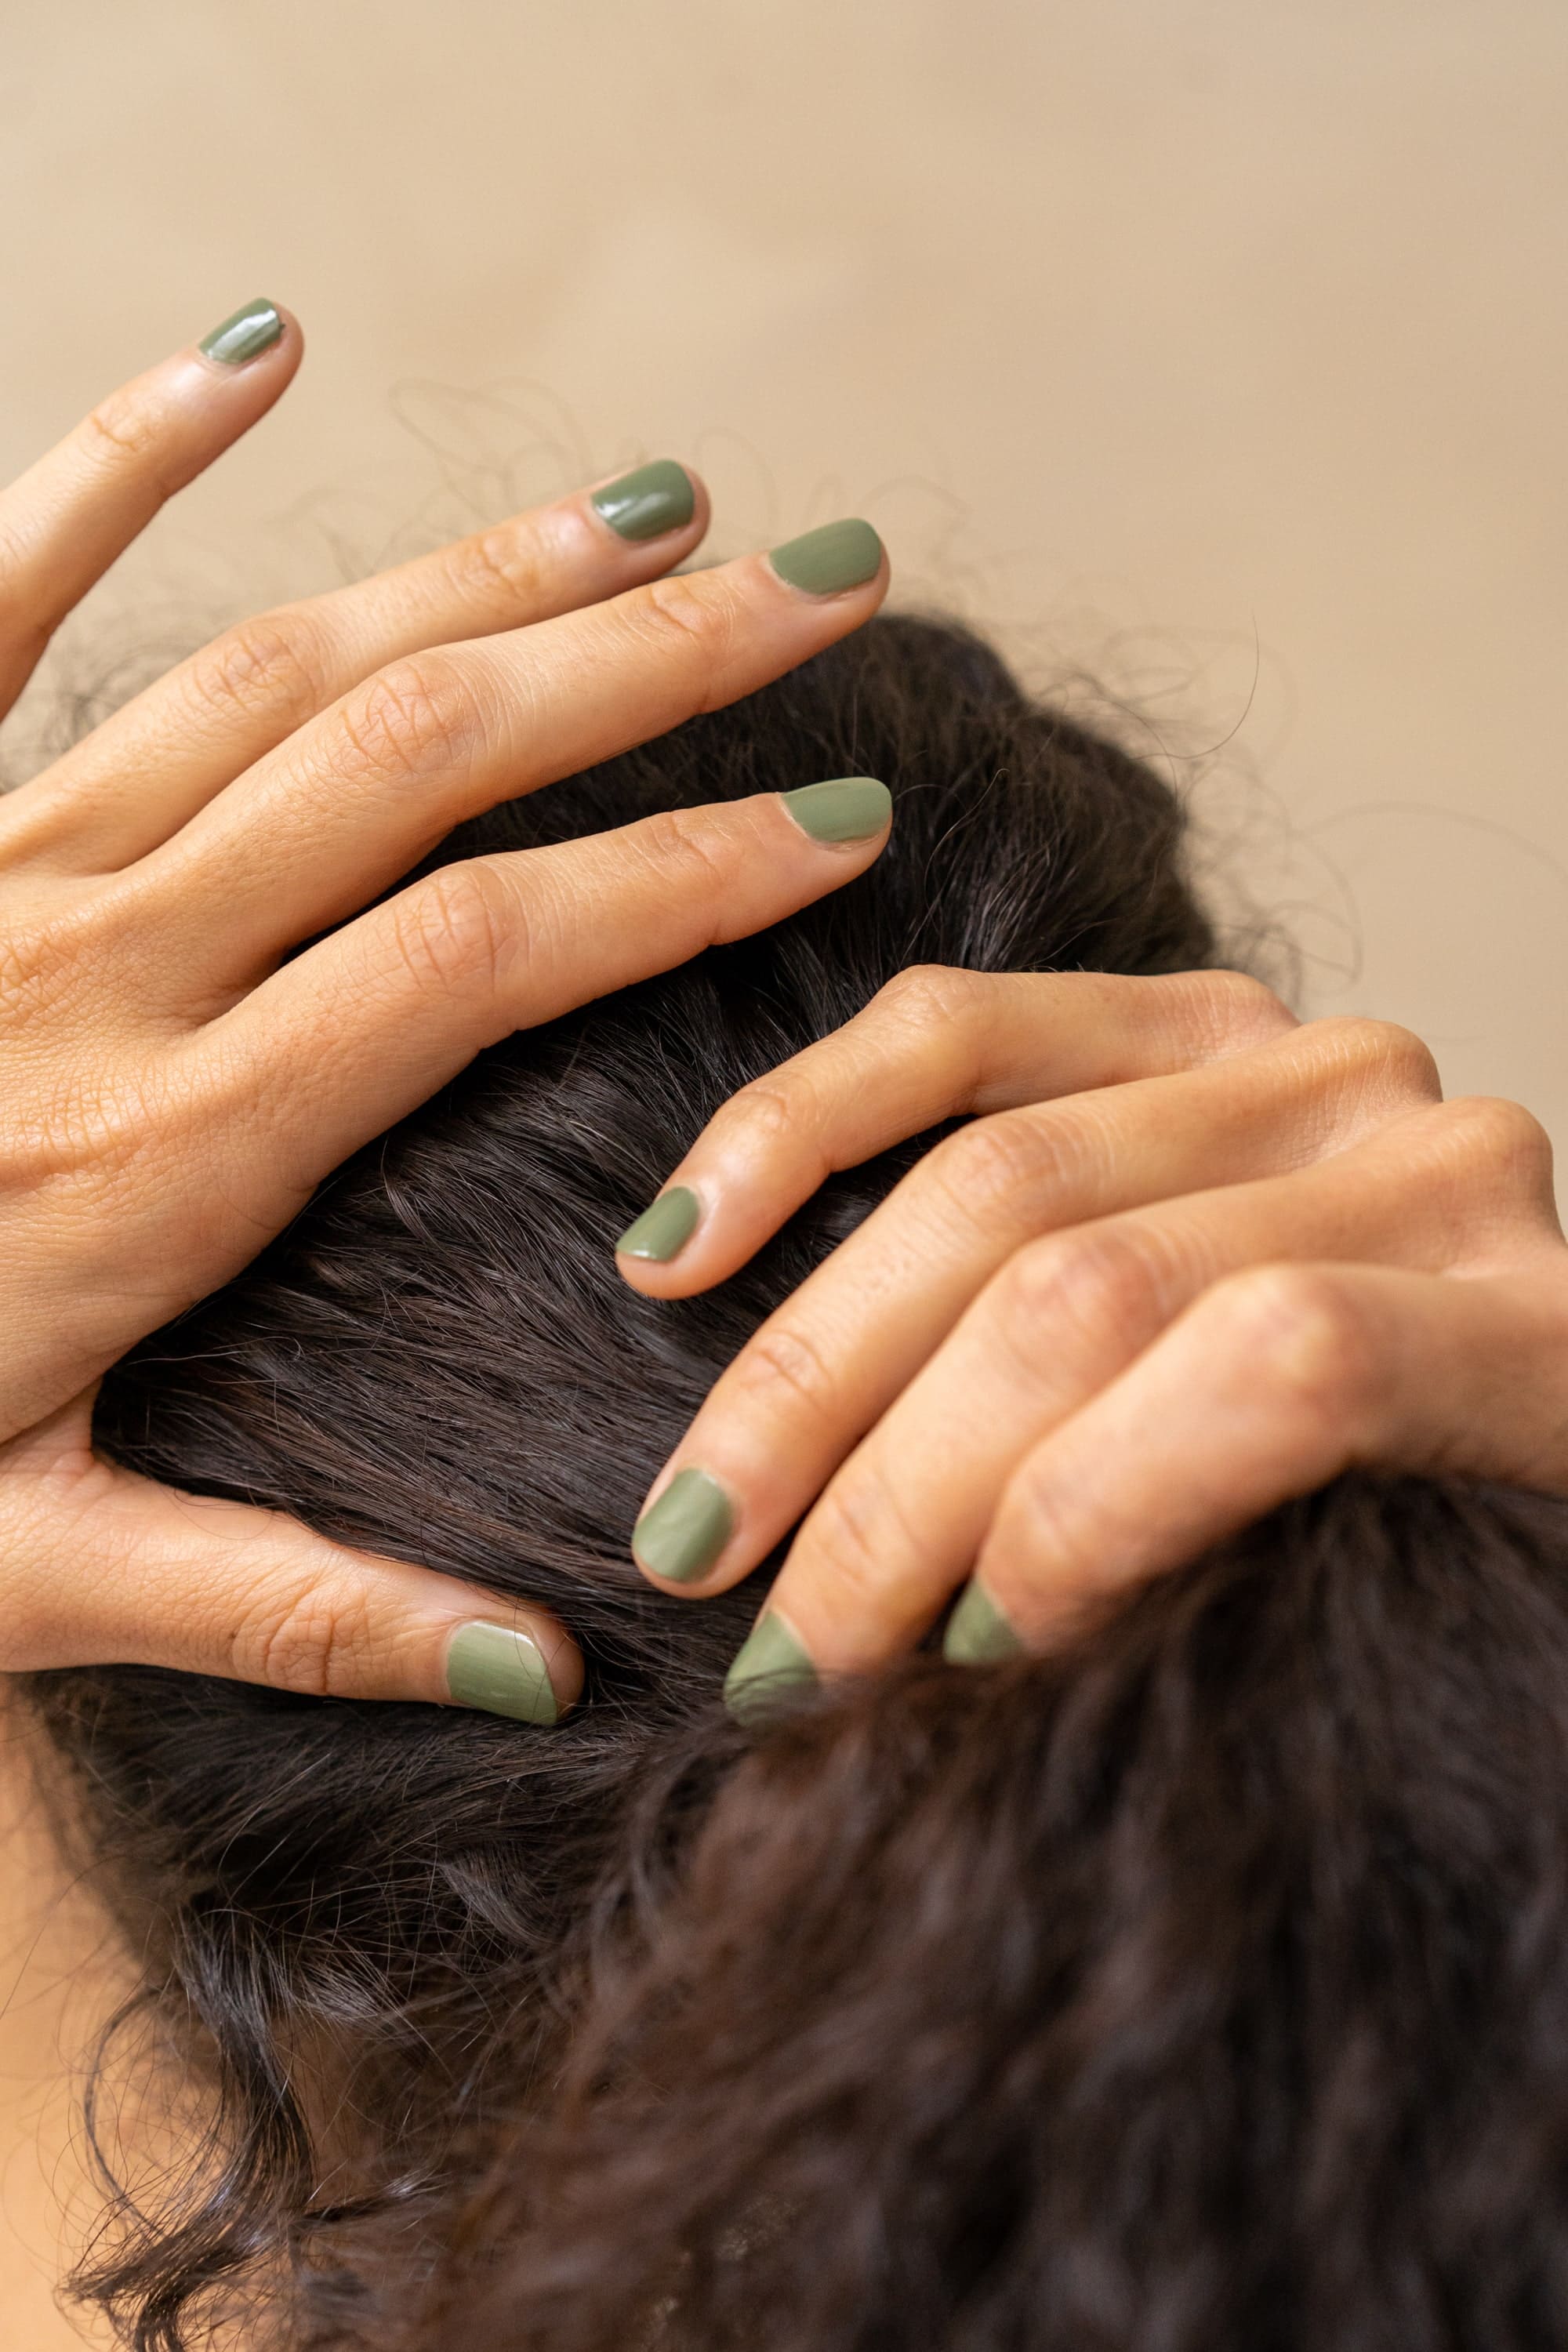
x=1203 y=1986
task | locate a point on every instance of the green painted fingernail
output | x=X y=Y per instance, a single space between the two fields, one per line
x=502 y=1672
x=254 y=329
x=681 y=1535
x=825 y=562
x=846 y=808
x=648 y=501
x=771 y=1666
x=977 y=1632
x=664 y=1227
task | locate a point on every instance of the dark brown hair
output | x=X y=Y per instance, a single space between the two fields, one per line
x=1204 y=1987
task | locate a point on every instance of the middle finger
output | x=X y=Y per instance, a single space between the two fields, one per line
x=134 y=781
x=355 y=800
x=821 y=1369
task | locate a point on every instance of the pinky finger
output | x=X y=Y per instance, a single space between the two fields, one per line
x=1273 y=1383
x=102 y=1567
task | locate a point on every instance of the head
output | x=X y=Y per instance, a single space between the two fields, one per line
x=1199 y=1985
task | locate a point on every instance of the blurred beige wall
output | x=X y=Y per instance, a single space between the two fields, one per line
x=1216 y=347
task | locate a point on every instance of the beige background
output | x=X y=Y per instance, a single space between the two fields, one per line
x=1215 y=346
x=1215 y=350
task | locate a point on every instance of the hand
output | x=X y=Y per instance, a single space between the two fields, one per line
x=174 y=1088
x=1190 y=1258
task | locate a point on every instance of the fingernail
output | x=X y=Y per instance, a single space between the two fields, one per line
x=977 y=1632
x=825 y=562
x=681 y=1535
x=846 y=808
x=501 y=1670
x=648 y=501
x=253 y=330
x=771 y=1666
x=663 y=1228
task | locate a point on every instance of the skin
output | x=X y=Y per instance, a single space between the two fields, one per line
x=176 y=1088
x=1190 y=1258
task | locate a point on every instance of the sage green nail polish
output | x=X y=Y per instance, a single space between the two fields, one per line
x=771 y=1666
x=825 y=562
x=501 y=1670
x=977 y=1632
x=648 y=501
x=681 y=1535
x=846 y=808
x=253 y=330
x=664 y=1227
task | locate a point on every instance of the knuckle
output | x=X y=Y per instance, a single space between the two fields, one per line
x=998 y=1164
x=859 y=1538
x=782 y=1367
x=307 y=1638
x=769 y=1113
x=454 y=933
x=692 y=848
x=1232 y=1009
x=122 y=429
x=1384 y=1056
x=1105 y=1282
x=500 y=567
x=933 y=995
x=269 y=663
x=1496 y=1138
x=1303 y=1329
x=37 y=959
x=678 y=616
x=417 y=716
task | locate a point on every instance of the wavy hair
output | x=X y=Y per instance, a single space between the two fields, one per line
x=1202 y=1987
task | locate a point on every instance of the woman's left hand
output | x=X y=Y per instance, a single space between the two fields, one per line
x=1189 y=1258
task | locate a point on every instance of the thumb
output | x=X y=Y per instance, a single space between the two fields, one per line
x=102 y=1567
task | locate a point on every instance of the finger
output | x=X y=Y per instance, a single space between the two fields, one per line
x=935 y=1044
x=901 y=1523
x=106 y=1567
x=820 y=1370
x=1272 y=1383
x=147 y=769
x=480 y=948
x=64 y=522
x=361 y=794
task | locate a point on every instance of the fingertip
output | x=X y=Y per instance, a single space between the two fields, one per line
x=685 y=1527
x=290 y=345
x=979 y=1631
x=842 y=813
x=659 y=1259
x=563 y=1662
x=528 y=1668
x=836 y=559
x=670 y=1282
x=662 y=498
x=244 y=337
x=663 y=1229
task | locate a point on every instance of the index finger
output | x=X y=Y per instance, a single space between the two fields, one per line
x=479 y=949
x=936 y=1043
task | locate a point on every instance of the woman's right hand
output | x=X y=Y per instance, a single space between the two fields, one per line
x=177 y=1081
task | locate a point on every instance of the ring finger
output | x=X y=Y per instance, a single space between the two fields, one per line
x=356 y=799
x=900 y=1526
x=141 y=775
